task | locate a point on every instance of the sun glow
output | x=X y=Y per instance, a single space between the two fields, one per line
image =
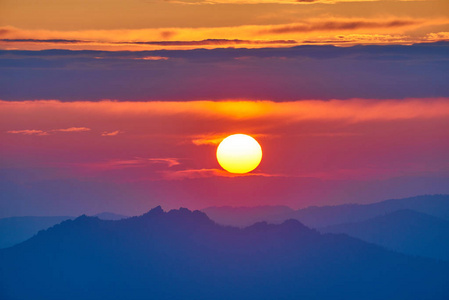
x=239 y=153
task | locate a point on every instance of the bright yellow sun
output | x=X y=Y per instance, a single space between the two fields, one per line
x=239 y=153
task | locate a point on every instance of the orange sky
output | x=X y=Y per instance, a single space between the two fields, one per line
x=120 y=25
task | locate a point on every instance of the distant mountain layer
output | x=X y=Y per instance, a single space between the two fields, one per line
x=109 y=216
x=15 y=230
x=184 y=255
x=406 y=231
x=245 y=216
x=316 y=217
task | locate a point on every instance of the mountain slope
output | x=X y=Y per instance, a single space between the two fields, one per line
x=184 y=255
x=15 y=230
x=406 y=231
x=18 y=229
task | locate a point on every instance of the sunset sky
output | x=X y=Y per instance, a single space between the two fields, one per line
x=120 y=105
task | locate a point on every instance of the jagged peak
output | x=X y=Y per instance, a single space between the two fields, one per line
x=85 y=217
x=185 y=213
x=179 y=214
x=156 y=211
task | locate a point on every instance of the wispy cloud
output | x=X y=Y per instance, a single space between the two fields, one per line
x=339 y=25
x=28 y=132
x=169 y=161
x=153 y=58
x=120 y=164
x=205 y=173
x=72 y=129
x=47 y=132
x=205 y=42
x=215 y=139
x=353 y=110
x=208 y=140
x=110 y=133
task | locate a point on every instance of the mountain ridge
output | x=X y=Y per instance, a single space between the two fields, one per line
x=14 y=230
x=184 y=254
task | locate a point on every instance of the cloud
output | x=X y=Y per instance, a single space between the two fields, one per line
x=206 y=173
x=6 y=30
x=28 y=132
x=217 y=42
x=72 y=129
x=282 y=74
x=153 y=58
x=111 y=133
x=415 y=30
x=171 y=162
x=353 y=110
x=339 y=25
x=167 y=34
x=205 y=42
x=207 y=140
x=121 y=164
x=213 y=139
x=52 y=41
x=47 y=132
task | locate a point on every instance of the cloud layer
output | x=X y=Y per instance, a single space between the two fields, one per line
x=302 y=72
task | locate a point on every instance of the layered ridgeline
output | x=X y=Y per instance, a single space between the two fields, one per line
x=322 y=216
x=184 y=255
x=15 y=230
x=18 y=229
x=406 y=231
x=415 y=226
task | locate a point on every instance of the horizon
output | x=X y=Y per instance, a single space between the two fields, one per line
x=222 y=207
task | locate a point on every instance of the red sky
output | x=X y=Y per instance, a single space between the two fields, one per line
x=315 y=152
x=119 y=105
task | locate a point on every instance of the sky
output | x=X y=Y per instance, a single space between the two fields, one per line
x=120 y=105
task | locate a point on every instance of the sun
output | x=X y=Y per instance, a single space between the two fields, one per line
x=239 y=153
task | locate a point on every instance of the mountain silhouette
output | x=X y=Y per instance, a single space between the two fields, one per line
x=322 y=216
x=18 y=229
x=182 y=254
x=15 y=230
x=406 y=231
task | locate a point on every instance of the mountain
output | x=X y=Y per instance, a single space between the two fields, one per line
x=322 y=216
x=15 y=230
x=18 y=229
x=434 y=205
x=182 y=254
x=406 y=231
x=245 y=216
x=110 y=216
